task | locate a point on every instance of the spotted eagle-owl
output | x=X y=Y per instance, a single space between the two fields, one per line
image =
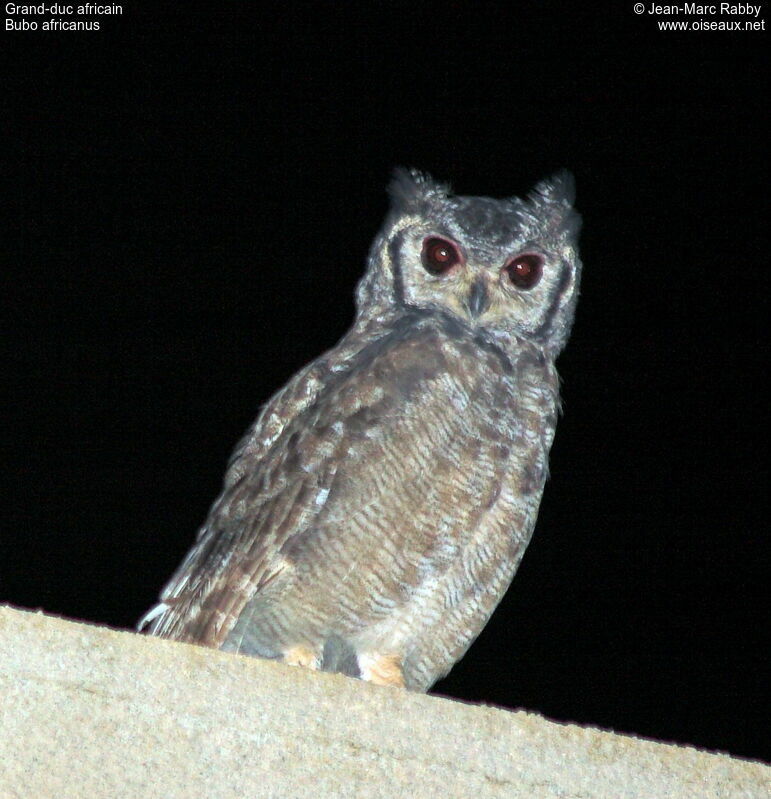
x=375 y=513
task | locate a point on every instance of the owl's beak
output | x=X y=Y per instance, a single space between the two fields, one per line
x=478 y=298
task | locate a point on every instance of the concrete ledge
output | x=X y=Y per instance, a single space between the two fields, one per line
x=91 y=712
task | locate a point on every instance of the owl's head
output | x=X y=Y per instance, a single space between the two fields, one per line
x=507 y=267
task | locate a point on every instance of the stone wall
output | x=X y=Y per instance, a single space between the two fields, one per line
x=87 y=711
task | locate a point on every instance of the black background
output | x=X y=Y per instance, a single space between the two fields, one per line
x=191 y=193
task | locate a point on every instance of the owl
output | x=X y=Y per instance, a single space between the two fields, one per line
x=376 y=511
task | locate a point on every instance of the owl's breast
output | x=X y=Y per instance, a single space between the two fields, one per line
x=407 y=455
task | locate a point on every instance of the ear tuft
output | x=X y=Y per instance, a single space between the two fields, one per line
x=410 y=190
x=552 y=200
x=559 y=188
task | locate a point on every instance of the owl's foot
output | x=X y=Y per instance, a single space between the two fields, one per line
x=381 y=669
x=302 y=656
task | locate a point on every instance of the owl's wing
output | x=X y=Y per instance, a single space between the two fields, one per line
x=382 y=468
x=220 y=535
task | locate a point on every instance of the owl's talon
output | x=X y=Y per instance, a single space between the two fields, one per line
x=382 y=669
x=302 y=656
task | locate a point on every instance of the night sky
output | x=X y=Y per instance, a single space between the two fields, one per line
x=190 y=196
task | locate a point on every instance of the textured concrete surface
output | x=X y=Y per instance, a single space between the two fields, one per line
x=91 y=712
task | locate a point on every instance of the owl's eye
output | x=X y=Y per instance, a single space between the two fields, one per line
x=524 y=271
x=439 y=255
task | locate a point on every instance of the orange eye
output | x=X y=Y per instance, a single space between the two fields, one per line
x=524 y=271
x=439 y=255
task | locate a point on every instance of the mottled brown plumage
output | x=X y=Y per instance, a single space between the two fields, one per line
x=375 y=513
